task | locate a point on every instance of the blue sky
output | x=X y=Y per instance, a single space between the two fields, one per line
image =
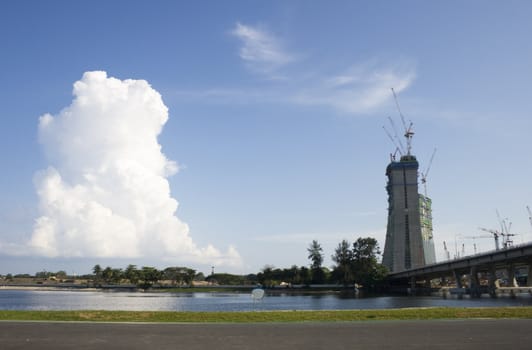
x=276 y=112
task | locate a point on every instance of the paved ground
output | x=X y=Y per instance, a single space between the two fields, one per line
x=466 y=334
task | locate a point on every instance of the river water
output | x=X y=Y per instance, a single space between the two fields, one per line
x=138 y=301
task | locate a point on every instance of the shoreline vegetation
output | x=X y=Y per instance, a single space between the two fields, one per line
x=270 y=316
x=356 y=265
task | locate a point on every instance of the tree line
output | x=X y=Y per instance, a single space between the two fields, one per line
x=355 y=263
x=144 y=277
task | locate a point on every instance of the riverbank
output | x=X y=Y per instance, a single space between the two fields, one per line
x=271 y=316
x=327 y=289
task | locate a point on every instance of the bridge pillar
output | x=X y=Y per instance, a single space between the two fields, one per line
x=511 y=280
x=412 y=289
x=529 y=274
x=492 y=287
x=457 y=278
x=458 y=281
x=474 y=284
x=511 y=276
x=444 y=283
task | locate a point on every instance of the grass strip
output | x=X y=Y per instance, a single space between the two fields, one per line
x=269 y=316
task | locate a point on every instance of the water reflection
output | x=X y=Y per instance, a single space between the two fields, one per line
x=136 y=301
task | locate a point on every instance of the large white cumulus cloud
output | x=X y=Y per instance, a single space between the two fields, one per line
x=107 y=193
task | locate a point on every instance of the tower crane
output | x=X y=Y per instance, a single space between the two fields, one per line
x=395 y=141
x=447 y=254
x=409 y=133
x=507 y=241
x=396 y=135
x=505 y=230
x=425 y=173
x=495 y=234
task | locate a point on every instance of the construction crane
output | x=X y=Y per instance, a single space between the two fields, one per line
x=447 y=254
x=425 y=173
x=495 y=234
x=474 y=238
x=505 y=230
x=396 y=135
x=409 y=133
x=398 y=146
x=507 y=241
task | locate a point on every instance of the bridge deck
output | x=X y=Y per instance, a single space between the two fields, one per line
x=516 y=256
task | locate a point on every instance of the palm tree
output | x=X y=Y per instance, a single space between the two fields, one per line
x=97 y=270
x=107 y=274
x=315 y=254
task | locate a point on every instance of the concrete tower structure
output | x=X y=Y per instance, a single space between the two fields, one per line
x=403 y=248
x=409 y=240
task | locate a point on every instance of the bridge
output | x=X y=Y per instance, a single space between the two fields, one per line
x=474 y=274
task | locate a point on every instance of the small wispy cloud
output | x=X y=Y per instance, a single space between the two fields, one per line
x=261 y=50
x=361 y=89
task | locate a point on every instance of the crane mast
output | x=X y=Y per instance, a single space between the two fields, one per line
x=505 y=231
x=409 y=133
x=447 y=254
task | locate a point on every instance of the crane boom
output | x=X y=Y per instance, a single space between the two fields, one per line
x=426 y=173
x=390 y=136
x=399 y=109
x=409 y=133
x=475 y=237
x=430 y=164
x=397 y=146
x=495 y=234
x=506 y=225
x=394 y=128
x=474 y=240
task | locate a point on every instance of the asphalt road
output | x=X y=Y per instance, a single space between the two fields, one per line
x=452 y=334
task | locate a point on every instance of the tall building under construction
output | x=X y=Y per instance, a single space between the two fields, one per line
x=409 y=240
